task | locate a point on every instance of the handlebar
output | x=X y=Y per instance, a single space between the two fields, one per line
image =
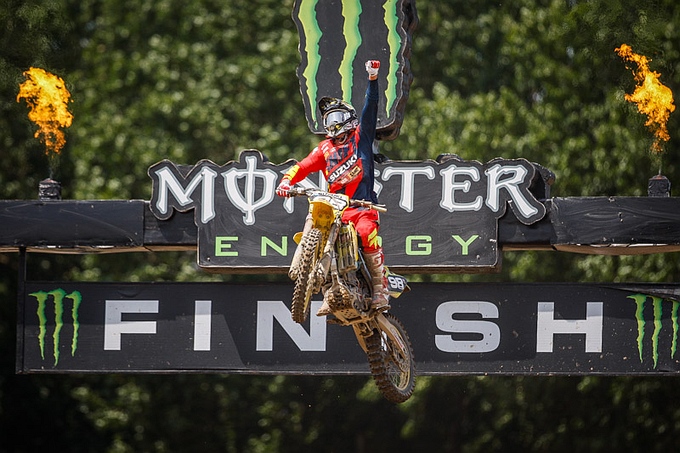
x=298 y=192
x=369 y=205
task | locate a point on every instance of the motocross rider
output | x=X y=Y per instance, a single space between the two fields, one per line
x=346 y=159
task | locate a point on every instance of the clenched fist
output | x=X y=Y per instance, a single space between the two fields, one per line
x=372 y=67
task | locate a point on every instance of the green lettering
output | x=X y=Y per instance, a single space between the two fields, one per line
x=418 y=245
x=639 y=316
x=393 y=47
x=674 y=317
x=658 y=313
x=41 y=297
x=77 y=298
x=266 y=242
x=58 y=295
x=465 y=244
x=311 y=34
x=657 y=305
x=223 y=244
x=350 y=30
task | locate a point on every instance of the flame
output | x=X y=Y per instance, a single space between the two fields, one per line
x=653 y=98
x=47 y=98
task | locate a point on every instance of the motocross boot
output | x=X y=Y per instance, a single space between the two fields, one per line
x=374 y=262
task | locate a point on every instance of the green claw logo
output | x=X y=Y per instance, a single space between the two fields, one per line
x=336 y=38
x=58 y=295
x=657 y=304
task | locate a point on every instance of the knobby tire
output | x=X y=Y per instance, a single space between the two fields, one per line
x=302 y=292
x=393 y=372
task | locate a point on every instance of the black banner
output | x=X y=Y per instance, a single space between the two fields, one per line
x=441 y=215
x=455 y=329
x=92 y=224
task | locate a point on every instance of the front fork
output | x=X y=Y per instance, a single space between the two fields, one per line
x=327 y=258
x=295 y=262
x=362 y=331
x=327 y=255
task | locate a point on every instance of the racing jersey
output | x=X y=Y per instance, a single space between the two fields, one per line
x=348 y=168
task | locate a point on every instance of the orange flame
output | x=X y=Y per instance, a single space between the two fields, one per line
x=653 y=98
x=47 y=98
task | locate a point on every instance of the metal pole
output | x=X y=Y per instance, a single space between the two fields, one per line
x=21 y=297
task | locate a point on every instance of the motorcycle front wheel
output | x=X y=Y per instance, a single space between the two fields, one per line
x=302 y=291
x=390 y=357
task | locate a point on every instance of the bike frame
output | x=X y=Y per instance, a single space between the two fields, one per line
x=328 y=258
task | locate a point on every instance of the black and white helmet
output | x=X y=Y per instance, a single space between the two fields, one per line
x=337 y=116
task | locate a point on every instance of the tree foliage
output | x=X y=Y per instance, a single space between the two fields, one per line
x=205 y=79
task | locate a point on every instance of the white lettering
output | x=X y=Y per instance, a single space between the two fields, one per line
x=490 y=332
x=267 y=310
x=407 y=182
x=168 y=184
x=511 y=185
x=450 y=186
x=548 y=326
x=343 y=168
x=202 y=324
x=246 y=202
x=464 y=187
x=114 y=326
x=377 y=187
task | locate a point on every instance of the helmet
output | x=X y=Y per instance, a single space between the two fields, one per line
x=338 y=116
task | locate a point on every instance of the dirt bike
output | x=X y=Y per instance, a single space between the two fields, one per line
x=328 y=259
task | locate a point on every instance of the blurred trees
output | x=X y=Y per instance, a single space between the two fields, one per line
x=180 y=80
x=188 y=80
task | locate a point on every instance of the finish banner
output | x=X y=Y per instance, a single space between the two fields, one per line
x=529 y=329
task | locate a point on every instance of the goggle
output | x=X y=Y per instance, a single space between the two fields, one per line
x=336 y=119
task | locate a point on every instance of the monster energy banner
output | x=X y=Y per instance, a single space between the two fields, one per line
x=337 y=37
x=440 y=215
x=454 y=328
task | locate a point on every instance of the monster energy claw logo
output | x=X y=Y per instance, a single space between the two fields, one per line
x=331 y=37
x=657 y=304
x=57 y=296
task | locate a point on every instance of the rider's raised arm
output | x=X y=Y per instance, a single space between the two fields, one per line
x=369 y=114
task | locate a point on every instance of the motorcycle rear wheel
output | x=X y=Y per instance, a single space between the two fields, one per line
x=302 y=291
x=392 y=366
